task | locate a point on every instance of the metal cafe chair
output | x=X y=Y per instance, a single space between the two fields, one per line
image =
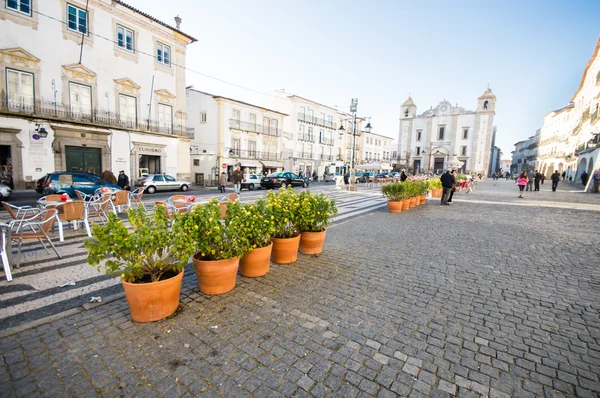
x=232 y=197
x=99 y=207
x=75 y=211
x=180 y=203
x=135 y=197
x=4 y=250
x=19 y=212
x=84 y=196
x=37 y=227
x=120 y=198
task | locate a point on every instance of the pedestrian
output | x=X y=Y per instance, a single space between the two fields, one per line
x=522 y=182
x=555 y=179
x=597 y=181
x=403 y=175
x=315 y=176
x=446 y=179
x=453 y=174
x=584 y=178
x=108 y=176
x=123 y=180
x=537 y=178
x=222 y=182
x=300 y=174
x=237 y=179
x=530 y=178
x=543 y=179
x=564 y=173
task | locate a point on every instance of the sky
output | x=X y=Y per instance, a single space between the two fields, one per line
x=532 y=53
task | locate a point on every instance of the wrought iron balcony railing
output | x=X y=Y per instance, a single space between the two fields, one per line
x=327 y=141
x=316 y=120
x=305 y=155
x=254 y=128
x=253 y=154
x=326 y=157
x=306 y=137
x=95 y=116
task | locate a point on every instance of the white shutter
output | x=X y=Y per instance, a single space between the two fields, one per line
x=81 y=98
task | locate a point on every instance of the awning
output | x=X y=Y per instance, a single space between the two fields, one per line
x=271 y=164
x=230 y=162
x=250 y=163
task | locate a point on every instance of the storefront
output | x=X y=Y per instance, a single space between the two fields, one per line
x=81 y=149
x=269 y=167
x=148 y=158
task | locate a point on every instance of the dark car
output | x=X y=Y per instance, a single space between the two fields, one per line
x=367 y=176
x=282 y=179
x=70 y=181
x=384 y=174
x=39 y=185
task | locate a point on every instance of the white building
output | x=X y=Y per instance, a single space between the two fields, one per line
x=570 y=136
x=426 y=141
x=228 y=132
x=376 y=148
x=101 y=87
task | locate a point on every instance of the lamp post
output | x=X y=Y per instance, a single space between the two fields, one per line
x=423 y=153
x=353 y=109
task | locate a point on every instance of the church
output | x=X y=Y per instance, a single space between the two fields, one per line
x=428 y=140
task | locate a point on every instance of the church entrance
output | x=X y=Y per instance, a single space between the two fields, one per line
x=438 y=165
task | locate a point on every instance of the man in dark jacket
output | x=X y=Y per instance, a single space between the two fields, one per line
x=584 y=178
x=123 y=180
x=447 y=181
x=403 y=176
x=555 y=179
x=537 y=179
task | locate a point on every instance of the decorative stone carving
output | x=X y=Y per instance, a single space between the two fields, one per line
x=79 y=72
x=165 y=95
x=18 y=57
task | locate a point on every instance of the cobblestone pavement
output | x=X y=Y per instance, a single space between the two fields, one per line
x=492 y=296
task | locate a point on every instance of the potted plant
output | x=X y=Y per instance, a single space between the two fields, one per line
x=147 y=259
x=435 y=186
x=214 y=244
x=313 y=215
x=422 y=191
x=258 y=228
x=286 y=238
x=395 y=193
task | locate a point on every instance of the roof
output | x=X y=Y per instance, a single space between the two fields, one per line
x=238 y=101
x=589 y=64
x=408 y=102
x=150 y=17
x=314 y=102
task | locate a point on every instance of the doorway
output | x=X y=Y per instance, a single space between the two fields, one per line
x=150 y=162
x=85 y=160
x=6 y=176
x=438 y=166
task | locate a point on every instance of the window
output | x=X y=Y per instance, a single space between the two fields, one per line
x=418 y=150
x=418 y=135
x=252 y=121
x=441 y=133
x=465 y=133
x=20 y=88
x=235 y=143
x=463 y=150
x=321 y=137
x=23 y=6
x=266 y=124
x=251 y=149
x=202 y=117
x=274 y=124
x=158 y=178
x=169 y=178
x=127 y=108
x=196 y=162
x=163 y=54
x=235 y=114
x=77 y=19
x=125 y=38
x=81 y=98
x=165 y=117
x=310 y=134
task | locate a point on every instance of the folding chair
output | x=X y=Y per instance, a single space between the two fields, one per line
x=5 y=233
x=36 y=227
x=75 y=211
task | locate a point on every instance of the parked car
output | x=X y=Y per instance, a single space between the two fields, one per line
x=357 y=176
x=332 y=177
x=39 y=185
x=251 y=181
x=395 y=175
x=282 y=179
x=367 y=176
x=384 y=174
x=70 y=181
x=5 y=191
x=162 y=182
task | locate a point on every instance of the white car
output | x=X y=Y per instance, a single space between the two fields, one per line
x=5 y=191
x=332 y=177
x=251 y=181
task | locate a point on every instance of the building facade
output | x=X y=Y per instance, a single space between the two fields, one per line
x=101 y=87
x=426 y=141
x=376 y=148
x=228 y=132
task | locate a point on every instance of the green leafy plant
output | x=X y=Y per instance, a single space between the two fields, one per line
x=420 y=187
x=203 y=231
x=461 y=177
x=146 y=253
x=395 y=191
x=434 y=183
x=258 y=226
x=283 y=207
x=314 y=212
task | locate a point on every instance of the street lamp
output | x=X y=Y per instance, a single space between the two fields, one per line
x=368 y=127
x=423 y=161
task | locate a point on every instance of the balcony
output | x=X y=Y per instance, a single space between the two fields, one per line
x=306 y=137
x=96 y=116
x=253 y=154
x=594 y=117
x=326 y=157
x=254 y=128
x=305 y=155
x=316 y=120
x=327 y=141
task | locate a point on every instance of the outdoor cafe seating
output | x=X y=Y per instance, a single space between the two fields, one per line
x=36 y=227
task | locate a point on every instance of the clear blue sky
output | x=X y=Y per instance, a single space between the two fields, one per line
x=531 y=52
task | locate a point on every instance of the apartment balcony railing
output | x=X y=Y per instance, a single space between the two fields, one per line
x=95 y=116
x=306 y=137
x=327 y=141
x=252 y=154
x=305 y=155
x=254 y=128
x=316 y=120
x=326 y=157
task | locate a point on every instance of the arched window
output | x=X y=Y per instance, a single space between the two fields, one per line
x=406 y=113
x=485 y=105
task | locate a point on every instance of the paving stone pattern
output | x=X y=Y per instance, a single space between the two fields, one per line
x=477 y=299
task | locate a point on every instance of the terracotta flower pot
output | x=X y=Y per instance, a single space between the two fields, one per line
x=422 y=198
x=216 y=277
x=285 y=250
x=312 y=242
x=405 y=204
x=149 y=302
x=256 y=262
x=412 y=202
x=394 y=206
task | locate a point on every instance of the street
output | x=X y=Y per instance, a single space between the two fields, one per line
x=493 y=296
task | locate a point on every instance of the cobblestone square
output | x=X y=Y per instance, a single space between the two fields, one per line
x=492 y=296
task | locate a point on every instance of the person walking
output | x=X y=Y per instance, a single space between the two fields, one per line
x=403 y=176
x=453 y=174
x=123 y=180
x=108 y=176
x=555 y=179
x=530 y=177
x=537 y=178
x=237 y=179
x=446 y=179
x=597 y=181
x=522 y=181
x=584 y=178
x=563 y=175
x=315 y=176
x=222 y=182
